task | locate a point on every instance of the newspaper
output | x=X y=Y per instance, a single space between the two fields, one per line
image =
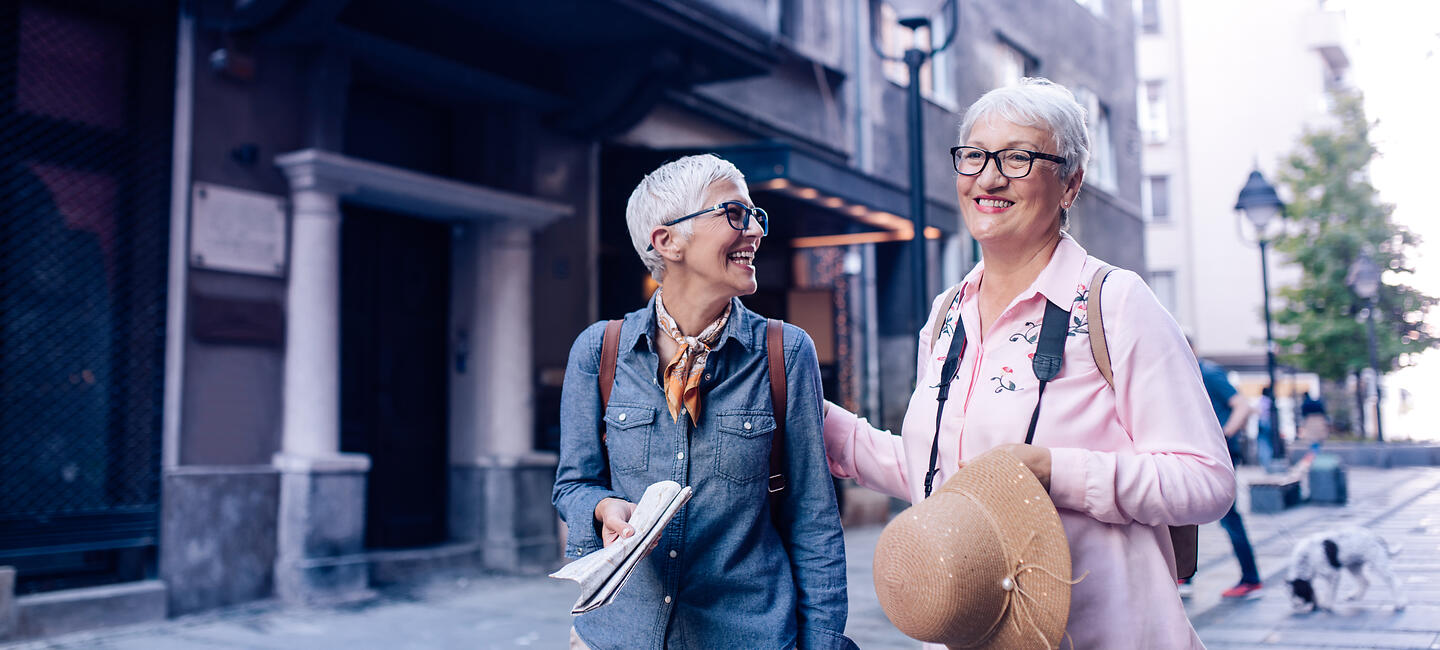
x=602 y=573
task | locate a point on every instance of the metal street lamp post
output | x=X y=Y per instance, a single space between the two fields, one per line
x=914 y=15
x=1260 y=205
x=1364 y=280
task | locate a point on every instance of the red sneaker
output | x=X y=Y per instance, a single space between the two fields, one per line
x=1241 y=590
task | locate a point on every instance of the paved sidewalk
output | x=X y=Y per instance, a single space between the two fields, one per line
x=509 y=612
x=1401 y=504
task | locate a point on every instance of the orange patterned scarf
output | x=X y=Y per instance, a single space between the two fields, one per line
x=682 y=376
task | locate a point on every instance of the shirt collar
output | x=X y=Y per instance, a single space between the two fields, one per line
x=642 y=323
x=1057 y=281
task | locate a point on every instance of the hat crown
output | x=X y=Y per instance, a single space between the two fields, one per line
x=983 y=563
x=939 y=575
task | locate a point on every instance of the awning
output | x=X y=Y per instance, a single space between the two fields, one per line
x=837 y=205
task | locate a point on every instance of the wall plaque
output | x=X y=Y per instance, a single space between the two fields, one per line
x=237 y=230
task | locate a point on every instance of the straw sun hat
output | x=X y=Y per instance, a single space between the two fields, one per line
x=983 y=563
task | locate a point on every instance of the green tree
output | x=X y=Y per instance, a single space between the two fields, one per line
x=1336 y=215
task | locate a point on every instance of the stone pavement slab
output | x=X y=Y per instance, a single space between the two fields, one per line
x=1403 y=504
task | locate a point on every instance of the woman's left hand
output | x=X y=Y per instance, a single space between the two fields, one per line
x=1035 y=458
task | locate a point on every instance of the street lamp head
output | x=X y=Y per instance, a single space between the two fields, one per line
x=907 y=11
x=1364 y=277
x=1258 y=201
x=913 y=15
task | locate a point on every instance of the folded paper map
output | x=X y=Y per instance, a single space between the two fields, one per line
x=602 y=573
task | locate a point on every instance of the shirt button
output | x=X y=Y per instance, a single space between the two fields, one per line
x=747 y=426
x=674 y=554
x=621 y=418
x=684 y=412
x=707 y=376
x=667 y=600
x=680 y=456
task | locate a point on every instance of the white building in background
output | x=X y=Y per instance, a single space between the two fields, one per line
x=1225 y=87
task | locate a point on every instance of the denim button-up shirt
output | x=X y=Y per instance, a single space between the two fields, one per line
x=723 y=575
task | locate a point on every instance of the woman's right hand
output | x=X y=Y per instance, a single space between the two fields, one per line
x=614 y=517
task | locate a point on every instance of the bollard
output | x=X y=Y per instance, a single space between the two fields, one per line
x=1327 y=480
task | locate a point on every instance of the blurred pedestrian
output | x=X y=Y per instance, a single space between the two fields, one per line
x=1232 y=409
x=1314 y=422
x=1264 y=444
x=691 y=402
x=1120 y=464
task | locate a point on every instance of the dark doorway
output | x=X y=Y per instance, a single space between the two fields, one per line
x=394 y=395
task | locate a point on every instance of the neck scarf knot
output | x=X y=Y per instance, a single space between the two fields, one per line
x=682 y=376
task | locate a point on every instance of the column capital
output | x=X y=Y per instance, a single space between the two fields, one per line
x=339 y=463
x=410 y=192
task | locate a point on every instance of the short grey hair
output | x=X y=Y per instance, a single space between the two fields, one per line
x=1040 y=103
x=675 y=189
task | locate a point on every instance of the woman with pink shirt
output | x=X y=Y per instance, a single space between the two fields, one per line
x=1122 y=462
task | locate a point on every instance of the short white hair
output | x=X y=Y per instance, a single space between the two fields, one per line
x=675 y=189
x=1040 y=103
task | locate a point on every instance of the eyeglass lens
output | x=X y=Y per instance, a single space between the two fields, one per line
x=739 y=215
x=1013 y=163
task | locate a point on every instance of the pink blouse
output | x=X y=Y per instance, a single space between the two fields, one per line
x=1125 y=463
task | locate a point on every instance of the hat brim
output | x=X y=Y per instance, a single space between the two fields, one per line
x=1035 y=548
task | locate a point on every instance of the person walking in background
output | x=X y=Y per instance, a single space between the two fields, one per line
x=1264 y=444
x=1232 y=410
x=1314 y=423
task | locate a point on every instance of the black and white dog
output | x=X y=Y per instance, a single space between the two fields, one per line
x=1316 y=562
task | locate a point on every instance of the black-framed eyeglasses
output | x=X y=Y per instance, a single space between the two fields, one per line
x=737 y=213
x=1012 y=163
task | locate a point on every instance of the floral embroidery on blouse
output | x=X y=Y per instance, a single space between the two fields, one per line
x=952 y=316
x=1003 y=382
x=1079 y=322
x=1030 y=335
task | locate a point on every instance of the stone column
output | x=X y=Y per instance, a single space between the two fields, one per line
x=320 y=534
x=7 y=602
x=496 y=476
x=312 y=351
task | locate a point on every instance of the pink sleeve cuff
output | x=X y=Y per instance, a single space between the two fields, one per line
x=839 y=430
x=1068 y=478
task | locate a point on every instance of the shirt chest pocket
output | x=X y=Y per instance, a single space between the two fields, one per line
x=744 y=445
x=627 y=436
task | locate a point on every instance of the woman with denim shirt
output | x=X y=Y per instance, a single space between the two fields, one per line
x=691 y=403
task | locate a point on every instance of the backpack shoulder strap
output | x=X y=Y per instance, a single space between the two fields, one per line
x=944 y=309
x=609 y=353
x=1098 y=348
x=775 y=351
x=1183 y=539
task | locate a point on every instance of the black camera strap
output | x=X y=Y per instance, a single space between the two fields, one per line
x=1049 y=355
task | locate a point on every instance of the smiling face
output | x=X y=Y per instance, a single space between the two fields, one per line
x=717 y=258
x=1014 y=212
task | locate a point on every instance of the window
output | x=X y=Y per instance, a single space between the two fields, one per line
x=813 y=30
x=1163 y=284
x=1012 y=64
x=1157 y=199
x=1102 y=169
x=1096 y=7
x=936 y=79
x=1154 y=116
x=1150 y=16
